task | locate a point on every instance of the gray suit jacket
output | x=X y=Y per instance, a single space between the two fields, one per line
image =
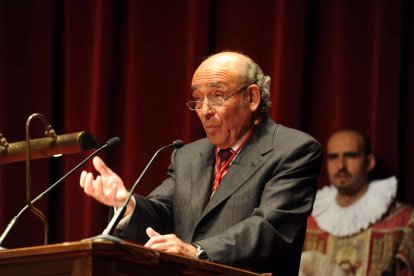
x=257 y=218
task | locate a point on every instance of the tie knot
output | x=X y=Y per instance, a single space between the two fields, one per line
x=225 y=154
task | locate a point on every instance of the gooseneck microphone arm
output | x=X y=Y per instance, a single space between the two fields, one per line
x=110 y=143
x=107 y=233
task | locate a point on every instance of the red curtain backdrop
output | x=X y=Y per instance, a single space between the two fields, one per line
x=124 y=68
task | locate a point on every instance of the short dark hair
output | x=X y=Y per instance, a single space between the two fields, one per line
x=365 y=141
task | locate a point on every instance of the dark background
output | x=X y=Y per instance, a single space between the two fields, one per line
x=124 y=68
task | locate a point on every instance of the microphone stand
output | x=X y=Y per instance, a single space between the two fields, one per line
x=107 y=233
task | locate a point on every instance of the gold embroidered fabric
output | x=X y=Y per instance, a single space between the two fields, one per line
x=385 y=248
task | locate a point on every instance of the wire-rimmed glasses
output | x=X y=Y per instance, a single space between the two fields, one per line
x=212 y=101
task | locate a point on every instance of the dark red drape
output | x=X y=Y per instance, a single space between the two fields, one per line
x=123 y=68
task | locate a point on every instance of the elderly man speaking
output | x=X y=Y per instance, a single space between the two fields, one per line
x=240 y=196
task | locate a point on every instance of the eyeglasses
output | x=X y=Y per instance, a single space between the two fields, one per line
x=213 y=101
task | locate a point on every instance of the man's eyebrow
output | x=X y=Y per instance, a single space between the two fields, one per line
x=346 y=153
x=352 y=153
x=211 y=85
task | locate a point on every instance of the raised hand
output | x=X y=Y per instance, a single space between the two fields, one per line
x=108 y=188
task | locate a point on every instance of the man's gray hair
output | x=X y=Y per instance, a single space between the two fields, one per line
x=253 y=74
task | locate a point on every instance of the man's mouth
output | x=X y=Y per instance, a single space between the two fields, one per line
x=210 y=128
x=343 y=175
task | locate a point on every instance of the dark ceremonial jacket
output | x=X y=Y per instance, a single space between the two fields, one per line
x=256 y=220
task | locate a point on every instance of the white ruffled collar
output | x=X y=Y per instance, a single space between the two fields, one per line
x=345 y=221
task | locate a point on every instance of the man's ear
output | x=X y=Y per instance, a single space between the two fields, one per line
x=253 y=96
x=371 y=162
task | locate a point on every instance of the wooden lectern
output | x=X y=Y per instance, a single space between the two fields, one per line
x=104 y=258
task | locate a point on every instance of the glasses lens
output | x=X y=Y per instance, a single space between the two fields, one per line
x=216 y=101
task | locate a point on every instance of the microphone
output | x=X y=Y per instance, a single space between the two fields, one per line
x=109 y=144
x=107 y=233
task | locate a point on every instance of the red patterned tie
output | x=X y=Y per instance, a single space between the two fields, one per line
x=225 y=155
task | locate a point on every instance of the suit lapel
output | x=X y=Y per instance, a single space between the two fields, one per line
x=249 y=160
x=201 y=179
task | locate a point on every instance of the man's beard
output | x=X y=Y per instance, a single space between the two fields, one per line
x=344 y=186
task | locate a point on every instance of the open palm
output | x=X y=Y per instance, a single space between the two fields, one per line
x=108 y=188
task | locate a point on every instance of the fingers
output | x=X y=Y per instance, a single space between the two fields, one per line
x=82 y=179
x=169 y=243
x=88 y=184
x=97 y=185
x=155 y=238
x=101 y=167
x=151 y=232
x=97 y=190
x=104 y=195
x=106 y=187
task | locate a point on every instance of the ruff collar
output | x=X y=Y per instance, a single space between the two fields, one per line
x=345 y=221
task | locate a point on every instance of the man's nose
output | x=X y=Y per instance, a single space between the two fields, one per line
x=341 y=162
x=206 y=108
